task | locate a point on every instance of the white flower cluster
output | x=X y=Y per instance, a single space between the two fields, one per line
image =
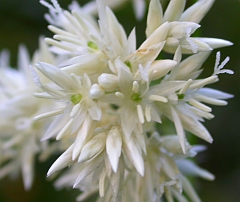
x=107 y=98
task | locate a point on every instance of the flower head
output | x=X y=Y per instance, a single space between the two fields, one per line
x=109 y=96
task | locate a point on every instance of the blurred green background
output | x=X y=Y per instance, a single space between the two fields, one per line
x=23 y=22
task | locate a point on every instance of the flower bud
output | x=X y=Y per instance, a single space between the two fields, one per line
x=96 y=91
x=160 y=68
x=108 y=81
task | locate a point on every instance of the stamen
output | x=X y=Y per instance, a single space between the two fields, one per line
x=140 y=114
x=135 y=87
x=148 y=113
x=203 y=82
x=61 y=32
x=102 y=183
x=59 y=45
x=217 y=61
x=199 y=105
x=185 y=87
x=210 y=100
x=49 y=114
x=75 y=24
x=75 y=110
x=119 y=95
x=68 y=39
x=158 y=98
x=53 y=91
x=203 y=114
x=43 y=95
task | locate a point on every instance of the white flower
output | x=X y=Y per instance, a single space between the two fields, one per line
x=19 y=134
x=139 y=6
x=183 y=24
x=185 y=107
x=109 y=96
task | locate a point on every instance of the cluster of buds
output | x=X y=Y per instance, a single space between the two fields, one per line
x=104 y=100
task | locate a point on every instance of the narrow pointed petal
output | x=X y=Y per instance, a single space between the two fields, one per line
x=114 y=147
x=217 y=94
x=191 y=64
x=88 y=169
x=155 y=17
x=159 y=35
x=93 y=147
x=116 y=28
x=59 y=77
x=190 y=168
x=139 y=8
x=83 y=136
x=195 y=127
x=174 y=10
x=197 y=11
x=134 y=154
x=179 y=129
x=189 y=190
x=214 y=42
x=63 y=161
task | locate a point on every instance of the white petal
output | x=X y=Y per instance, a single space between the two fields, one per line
x=89 y=64
x=179 y=129
x=195 y=127
x=139 y=8
x=197 y=11
x=93 y=147
x=174 y=10
x=56 y=125
x=63 y=161
x=134 y=153
x=129 y=119
x=191 y=64
x=90 y=167
x=160 y=68
x=116 y=28
x=57 y=76
x=159 y=35
x=155 y=16
x=188 y=167
x=214 y=42
x=189 y=190
x=94 y=110
x=84 y=134
x=209 y=92
x=114 y=147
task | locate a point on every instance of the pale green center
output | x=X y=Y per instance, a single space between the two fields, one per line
x=92 y=45
x=136 y=97
x=128 y=64
x=76 y=98
x=180 y=96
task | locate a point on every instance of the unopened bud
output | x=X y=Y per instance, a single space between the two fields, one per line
x=108 y=82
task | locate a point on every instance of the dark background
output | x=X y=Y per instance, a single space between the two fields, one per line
x=23 y=22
